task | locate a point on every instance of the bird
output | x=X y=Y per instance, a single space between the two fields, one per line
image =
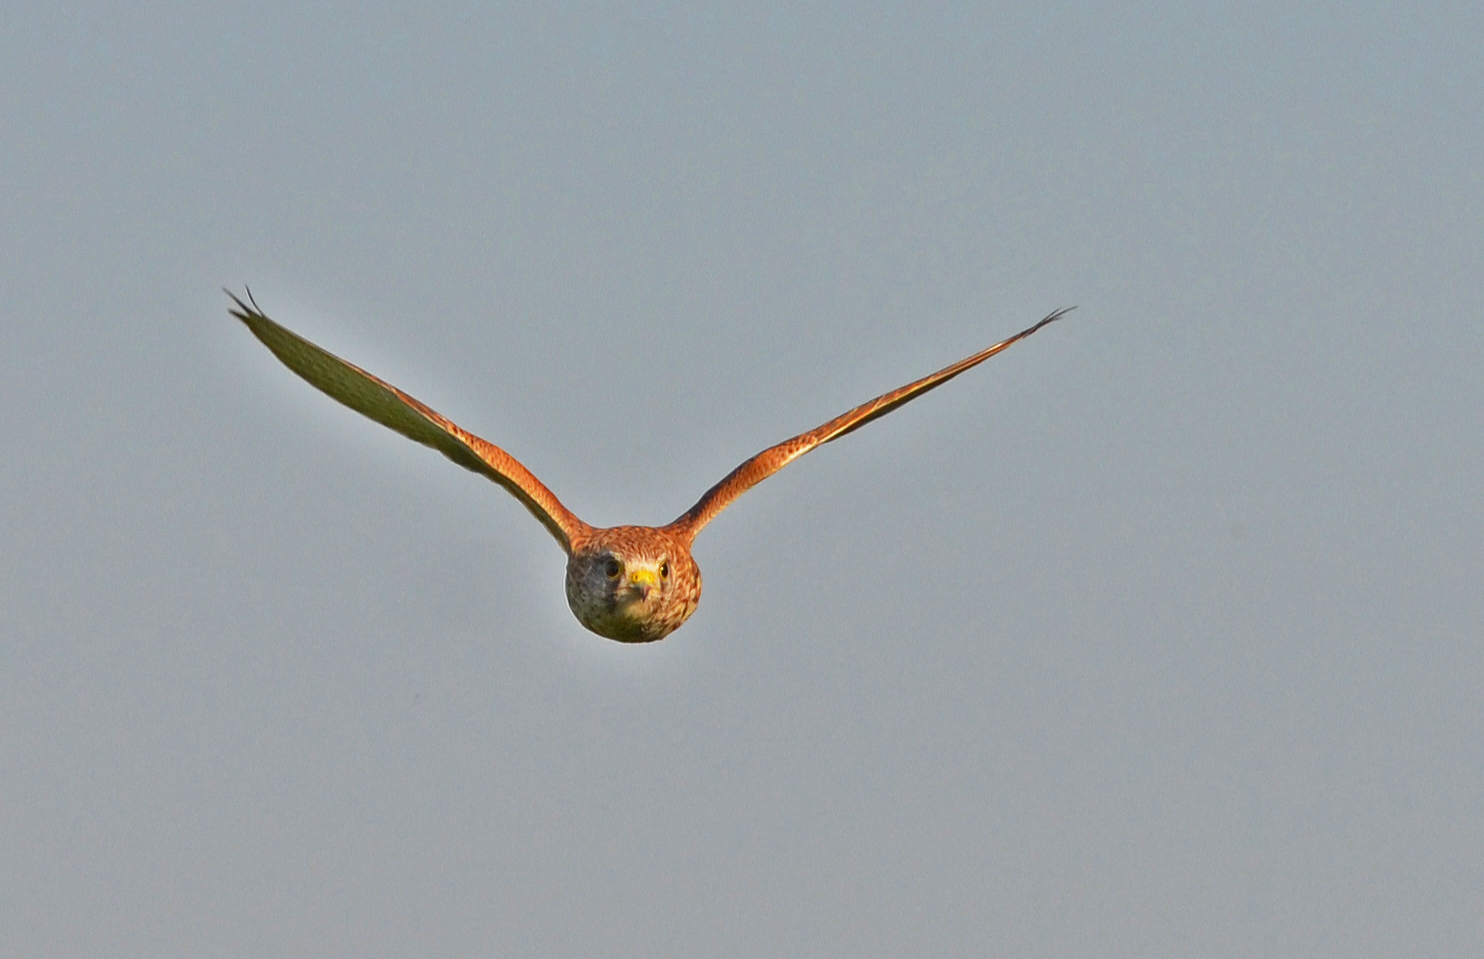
x=633 y=584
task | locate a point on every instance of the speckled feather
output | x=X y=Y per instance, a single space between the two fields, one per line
x=629 y=583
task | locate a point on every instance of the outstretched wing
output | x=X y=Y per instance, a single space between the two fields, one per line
x=392 y=408
x=775 y=458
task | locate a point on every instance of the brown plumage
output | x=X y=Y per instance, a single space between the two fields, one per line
x=635 y=584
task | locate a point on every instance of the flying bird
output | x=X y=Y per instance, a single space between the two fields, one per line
x=634 y=584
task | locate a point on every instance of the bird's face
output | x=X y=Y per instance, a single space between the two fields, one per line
x=634 y=584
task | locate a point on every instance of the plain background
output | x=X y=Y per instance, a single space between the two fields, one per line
x=1159 y=635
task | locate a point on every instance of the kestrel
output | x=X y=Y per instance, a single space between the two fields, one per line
x=635 y=584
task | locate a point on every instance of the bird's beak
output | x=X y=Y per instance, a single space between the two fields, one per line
x=642 y=581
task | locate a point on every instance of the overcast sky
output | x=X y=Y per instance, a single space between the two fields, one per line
x=1157 y=635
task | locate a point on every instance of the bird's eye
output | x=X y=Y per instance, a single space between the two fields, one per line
x=612 y=569
x=665 y=570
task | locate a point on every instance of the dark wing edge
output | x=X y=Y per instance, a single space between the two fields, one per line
x=775 y=458
x=380 y=401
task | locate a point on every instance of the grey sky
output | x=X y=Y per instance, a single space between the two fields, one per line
x=1158 y=635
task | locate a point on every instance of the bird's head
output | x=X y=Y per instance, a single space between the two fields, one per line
x=635 y=584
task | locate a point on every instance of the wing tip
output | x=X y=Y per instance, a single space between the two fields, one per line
x=1053 y=316
x=244 y=312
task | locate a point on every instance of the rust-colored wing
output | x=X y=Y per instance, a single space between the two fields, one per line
x=392 y=408
x=775 y=458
